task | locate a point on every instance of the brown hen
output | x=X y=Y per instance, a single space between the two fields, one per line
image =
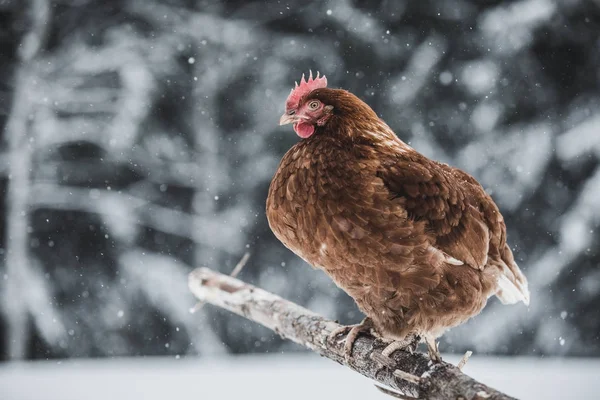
x=419 y=245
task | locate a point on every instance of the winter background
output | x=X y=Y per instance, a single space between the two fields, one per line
x=139 y=137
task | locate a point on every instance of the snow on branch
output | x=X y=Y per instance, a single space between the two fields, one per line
x=414 y=375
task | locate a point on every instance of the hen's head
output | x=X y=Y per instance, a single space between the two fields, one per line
x=312 y=107
x=305 y=111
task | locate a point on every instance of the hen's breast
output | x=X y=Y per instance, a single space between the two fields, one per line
x=329 y=207
x=314 y=188
x=307 y=194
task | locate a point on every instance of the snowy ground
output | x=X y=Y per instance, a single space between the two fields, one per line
x=298 y=376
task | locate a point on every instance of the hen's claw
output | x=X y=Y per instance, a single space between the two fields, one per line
x=409 y=344
x=366 y=325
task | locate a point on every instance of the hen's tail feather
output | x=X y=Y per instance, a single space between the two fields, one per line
x=512 y=284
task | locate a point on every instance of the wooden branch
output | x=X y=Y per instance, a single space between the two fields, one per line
x=412 y=374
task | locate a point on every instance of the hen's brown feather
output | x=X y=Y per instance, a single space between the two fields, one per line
x=419 y=245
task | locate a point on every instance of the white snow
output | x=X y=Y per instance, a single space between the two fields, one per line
x=485 y=116
x=290 y=376
x=446 y=78
x=511 y=167
x=579 y=140
x=480 y=76
x=408 y=84
x=577 y=225
x=510 y=26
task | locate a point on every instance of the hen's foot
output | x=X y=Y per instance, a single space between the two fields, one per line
x=410 y=344
x=432 y=349
x=366 y=325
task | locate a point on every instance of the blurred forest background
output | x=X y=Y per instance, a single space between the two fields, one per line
x=139 y=137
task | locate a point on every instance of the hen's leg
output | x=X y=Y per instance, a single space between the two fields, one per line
x=366 y=325
x=432 y=348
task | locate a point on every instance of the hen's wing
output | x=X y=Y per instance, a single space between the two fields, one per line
x=461 y=219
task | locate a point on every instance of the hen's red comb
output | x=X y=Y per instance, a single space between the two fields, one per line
x=305 y=87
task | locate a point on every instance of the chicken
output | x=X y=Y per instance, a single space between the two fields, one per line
x=419 y=245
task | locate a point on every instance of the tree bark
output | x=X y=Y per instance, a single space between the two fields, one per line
x=412 y=374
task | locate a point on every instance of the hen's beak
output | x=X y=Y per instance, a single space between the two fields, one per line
x=287 y=119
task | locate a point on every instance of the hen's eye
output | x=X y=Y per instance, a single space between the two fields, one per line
x=313 y=105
